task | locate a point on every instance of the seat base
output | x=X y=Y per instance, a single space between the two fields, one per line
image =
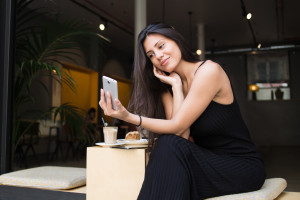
x=47 y=177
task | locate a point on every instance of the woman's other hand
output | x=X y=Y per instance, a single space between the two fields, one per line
x=107 y=108
x=173 y=79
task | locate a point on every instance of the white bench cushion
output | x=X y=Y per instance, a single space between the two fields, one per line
x=269 y=191
x=48 y=177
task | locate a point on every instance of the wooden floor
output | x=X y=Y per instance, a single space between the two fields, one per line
x=283 y=162
x=289 y=196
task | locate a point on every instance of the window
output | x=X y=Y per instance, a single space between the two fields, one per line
x=268 y=75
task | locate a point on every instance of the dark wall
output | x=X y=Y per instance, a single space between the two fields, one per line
x=269 y=122
x=122 y=57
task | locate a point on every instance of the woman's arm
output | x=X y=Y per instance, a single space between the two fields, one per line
x=205 y=87
x=172 y=103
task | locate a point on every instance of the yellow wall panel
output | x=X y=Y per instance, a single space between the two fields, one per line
x=86 y=94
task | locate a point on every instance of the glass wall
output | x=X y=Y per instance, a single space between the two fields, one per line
x=268 y=76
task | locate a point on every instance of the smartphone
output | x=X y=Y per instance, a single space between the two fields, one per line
x=110 y=85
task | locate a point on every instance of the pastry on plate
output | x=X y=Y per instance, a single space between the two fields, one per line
x=132 y=135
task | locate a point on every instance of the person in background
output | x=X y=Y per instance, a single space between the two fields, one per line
x=91 y=131
x=91 y=114
x=177 y=96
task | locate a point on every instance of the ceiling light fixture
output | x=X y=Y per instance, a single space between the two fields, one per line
x=259 y=46
x=102 y=27
x=249 y=16
x=198 y=52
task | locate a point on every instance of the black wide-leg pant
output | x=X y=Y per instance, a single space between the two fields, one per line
x=181 y=170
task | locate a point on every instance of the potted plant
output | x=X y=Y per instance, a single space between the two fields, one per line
x=39 y=51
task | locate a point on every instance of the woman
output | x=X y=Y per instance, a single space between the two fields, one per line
x=199 y=103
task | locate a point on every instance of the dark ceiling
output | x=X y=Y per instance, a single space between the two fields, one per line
x=273 y=21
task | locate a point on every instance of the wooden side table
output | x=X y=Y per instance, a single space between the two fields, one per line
x=115 y=173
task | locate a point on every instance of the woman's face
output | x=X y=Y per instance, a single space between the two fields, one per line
x=163 y=52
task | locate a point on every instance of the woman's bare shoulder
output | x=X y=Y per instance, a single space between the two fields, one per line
x=209 y=64
x=209 y=69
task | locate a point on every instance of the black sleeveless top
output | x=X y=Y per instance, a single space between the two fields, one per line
x=222 y=130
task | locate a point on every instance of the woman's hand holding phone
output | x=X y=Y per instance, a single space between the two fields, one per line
x=109 y=101
x=110 y=85
x=107 y=106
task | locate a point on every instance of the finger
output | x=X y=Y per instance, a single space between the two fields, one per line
x=108 y=102
x=102 y=98
x=155 y=71
x=101 y=94
x=162 y=73
x=159 y=71
x=118 y=104
x=102 y=102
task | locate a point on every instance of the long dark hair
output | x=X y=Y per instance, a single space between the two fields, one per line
x=146 y=88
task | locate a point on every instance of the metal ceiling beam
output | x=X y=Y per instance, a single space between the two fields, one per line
x=244 y=12
x=251 y=50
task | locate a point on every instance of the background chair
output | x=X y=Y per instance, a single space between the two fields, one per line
x=29 y=136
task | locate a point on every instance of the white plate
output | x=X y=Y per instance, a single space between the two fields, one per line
x=133 y=142
x=109 y=145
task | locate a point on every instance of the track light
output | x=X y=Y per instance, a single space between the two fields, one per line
x=102 y=27
x=259 y=45
x=249 y=16
x=198 y=52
